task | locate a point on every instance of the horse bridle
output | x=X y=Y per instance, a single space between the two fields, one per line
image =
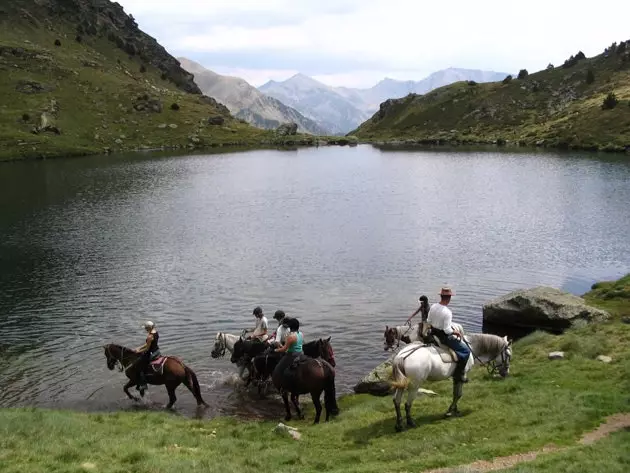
x=116 y=360
x=223 y=339
x=491 y=365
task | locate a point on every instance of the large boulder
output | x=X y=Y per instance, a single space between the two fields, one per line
x=544 y=308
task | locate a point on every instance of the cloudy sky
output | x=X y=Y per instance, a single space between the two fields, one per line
x=358 y=42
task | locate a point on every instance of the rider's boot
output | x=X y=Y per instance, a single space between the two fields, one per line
x=459 y=374
x=142 y=383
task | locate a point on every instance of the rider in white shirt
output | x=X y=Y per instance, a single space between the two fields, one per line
x=440 y=317
x=260 y=331
x=281 y=332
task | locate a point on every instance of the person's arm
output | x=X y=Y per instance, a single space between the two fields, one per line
x=291 y=338
x=413 y=315
x=146 y=345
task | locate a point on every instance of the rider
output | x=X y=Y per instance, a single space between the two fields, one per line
x=440 y=317
x=293 y=349
x=424 y=308
x=278 y=337
x=150 y=351
x=260 y=331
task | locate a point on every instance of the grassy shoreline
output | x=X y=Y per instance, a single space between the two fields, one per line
x=543 y=402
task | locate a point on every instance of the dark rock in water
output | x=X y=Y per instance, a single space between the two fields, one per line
x=287 y=129
x=544 y=308
x=377 y=381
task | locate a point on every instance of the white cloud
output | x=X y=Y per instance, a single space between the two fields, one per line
x=347 y=41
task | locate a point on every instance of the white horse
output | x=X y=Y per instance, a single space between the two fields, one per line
x=417 y=363
x=225 y=342
x=409 y=333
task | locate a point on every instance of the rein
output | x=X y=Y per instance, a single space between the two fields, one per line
x=119 y=363
x=223 y=348
x=491 y=365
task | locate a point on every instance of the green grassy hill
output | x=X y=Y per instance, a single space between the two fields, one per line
x=80 y=77
x=557 y=107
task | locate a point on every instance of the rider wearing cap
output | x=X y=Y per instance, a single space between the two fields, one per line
x=260 y=331
x=440 y=317
x=282 y=331
x=424 y=309
x=150 y=351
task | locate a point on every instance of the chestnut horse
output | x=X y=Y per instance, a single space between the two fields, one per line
x=172 y=373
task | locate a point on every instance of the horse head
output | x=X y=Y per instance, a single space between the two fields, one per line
x=325 y=351
x=390 y=337
x=111 y=355
x=502 y=361
x=219 y=346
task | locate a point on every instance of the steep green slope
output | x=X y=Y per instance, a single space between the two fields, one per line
x=557 y=107
x=79 y=77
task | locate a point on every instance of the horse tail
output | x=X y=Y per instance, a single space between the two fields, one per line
x=330 y=393
x=193 y=384
x=398 y=371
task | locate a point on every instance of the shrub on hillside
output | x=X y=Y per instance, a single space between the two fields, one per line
x=522 y=74
x=25 y=117
x=143 y=69
x=175 y=107
x=507 y=80
x=573 y=60
x=78 y=38
x=472 y=83
x=57 y=42
x=549 y=66
x=610 y=101
x=590 y=76
x=622 y=47
x=163 y=76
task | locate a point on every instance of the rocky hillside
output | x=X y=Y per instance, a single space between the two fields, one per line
x=583 y=103
x=80 y=77
x=247 y=102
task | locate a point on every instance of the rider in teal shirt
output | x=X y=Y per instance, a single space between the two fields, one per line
x=292 y=347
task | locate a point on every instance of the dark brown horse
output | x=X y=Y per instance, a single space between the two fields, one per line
x=171 y=373
x=312 y=376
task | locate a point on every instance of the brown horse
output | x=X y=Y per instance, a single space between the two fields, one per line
x=312 y=376
x=172 y=373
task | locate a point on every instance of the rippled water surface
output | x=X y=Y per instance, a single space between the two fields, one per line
x=346 y=239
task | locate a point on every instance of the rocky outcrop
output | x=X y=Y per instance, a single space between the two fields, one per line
x=377 y=381
x=107 y=20
x=287 y=129
x=544 y=308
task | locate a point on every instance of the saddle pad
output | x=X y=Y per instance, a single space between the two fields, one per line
x=447 y=354
x=158 y=364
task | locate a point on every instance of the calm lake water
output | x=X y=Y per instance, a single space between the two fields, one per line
x=346 y=239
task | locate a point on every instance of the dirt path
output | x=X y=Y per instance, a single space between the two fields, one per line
x=612 y=424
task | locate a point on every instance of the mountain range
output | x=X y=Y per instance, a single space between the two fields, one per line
x=247 y=102
x=342 y=109
x=581 y=104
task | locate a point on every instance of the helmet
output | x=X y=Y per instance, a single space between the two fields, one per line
x=279 y=315
x=149 y=325
x=294 y=325
x=257 y=311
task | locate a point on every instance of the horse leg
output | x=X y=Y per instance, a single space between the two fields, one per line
x=285 y=398
x=126 y=389
x=397 y=399
x=170 y=388
x=295 y=399
x=318 y=406
x=412 y=392
x=457 y=393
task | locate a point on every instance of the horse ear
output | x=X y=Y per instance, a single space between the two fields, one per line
x=386 y=328
x=328 y=339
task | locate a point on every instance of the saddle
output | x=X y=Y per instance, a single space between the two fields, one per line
x=447 y=354
x=158 y=364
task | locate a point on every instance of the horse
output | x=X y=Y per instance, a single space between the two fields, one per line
x=172 y=372
x=409 y=334
x=418 y=362
x=312 y=376
x=262 y=365
x=223 y=342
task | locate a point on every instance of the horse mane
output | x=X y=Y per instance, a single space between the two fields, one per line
x=486 y=343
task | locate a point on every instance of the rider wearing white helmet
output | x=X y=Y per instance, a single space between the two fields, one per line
x=150 y=351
